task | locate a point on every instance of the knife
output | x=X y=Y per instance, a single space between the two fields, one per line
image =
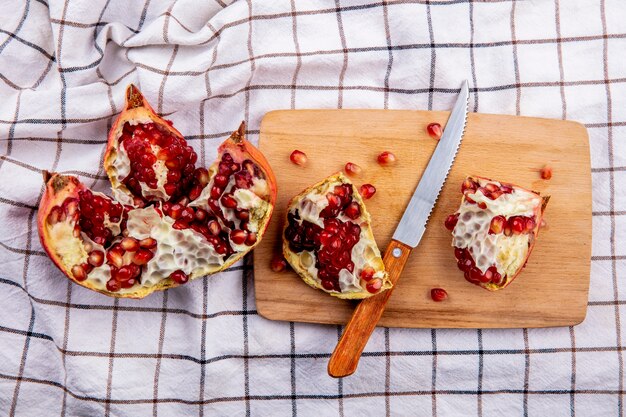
x=345 y=358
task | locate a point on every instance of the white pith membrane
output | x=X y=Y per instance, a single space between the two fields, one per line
x=471 y=232
x=364 y=253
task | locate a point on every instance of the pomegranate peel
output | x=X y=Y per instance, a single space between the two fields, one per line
x=328 y=241
x=494 y=230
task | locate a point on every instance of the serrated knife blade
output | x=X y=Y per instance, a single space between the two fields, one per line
x=413 y=222
x=345 y=358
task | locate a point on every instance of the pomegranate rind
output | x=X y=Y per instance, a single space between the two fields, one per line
x=136 y=110
x=538 y=212
x=294 y=258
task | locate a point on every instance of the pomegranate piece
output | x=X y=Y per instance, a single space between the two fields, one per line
x=494 y=230
x=434 y=130
x=165 y=228
x=367 y=191
x=546 y=172
x=352 y=169
x=386 y=158
x=278 y=263
x=298 y=157
x=438 y=294
x=328 y=241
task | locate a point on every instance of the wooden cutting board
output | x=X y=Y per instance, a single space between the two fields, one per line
x=551 y=291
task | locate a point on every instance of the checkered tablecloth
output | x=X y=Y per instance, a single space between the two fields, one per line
x=202 y=349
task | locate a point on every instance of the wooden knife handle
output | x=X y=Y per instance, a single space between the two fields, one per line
x=345 y=358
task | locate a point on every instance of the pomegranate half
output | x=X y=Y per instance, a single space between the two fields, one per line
x=328 y=241
x=146 y=240
x=494 y=230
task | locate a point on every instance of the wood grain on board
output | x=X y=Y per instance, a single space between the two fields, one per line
x=551 y=291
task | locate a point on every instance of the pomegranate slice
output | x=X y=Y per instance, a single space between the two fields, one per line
x=494 y=230
x=148 y=242
x=328 y=241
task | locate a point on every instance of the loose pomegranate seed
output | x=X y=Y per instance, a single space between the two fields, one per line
x=298 y=157
x=497 y=225
x=367 y=191
x=434 y=130
x=238 y=236
x=374 y=285
x=546 y=172
x=96 y=258
x=142 y=256
x=353 y=211
x=79 y=273
x=386 y=158
x=367 y=273
x=438 y=294
x=278 y=263
x=352 y=169
x=129 y=244
x=451 y=221
x=113 y=285
x=179 y=277
x=148 y=243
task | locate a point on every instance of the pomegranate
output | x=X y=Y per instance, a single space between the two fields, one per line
x=298 y=157
x=328 y=240
x=148 y=239
x=546 y=172
x=494 y=230
x=438 y=294
x=367 y=191
x=386 y=158
x=353 y=169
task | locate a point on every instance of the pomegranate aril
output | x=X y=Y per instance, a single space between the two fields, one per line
x=129 y=244
x=374 y=285
x=229 y=201
x=438 y=294
x=128 y=283
x=195 y=192
x=328 y=285
x=142 y=256
x=214 y=227
x=55 y=215
x=251 y=239
x=460 y=253
x=298 y=157
x=201 y=215
x=113 y=285
x=434 y=130
x=353 y=211
x=352 y=169
x=517 y=224
x=242 y=214
x=180 y=224
x=175 y=211
x=221 y=180
x=96 y=258
x=367 y=191
x=238 y=236
x=367 y=273
x=123 y=274
x=546 y=172
x=187 y=215
x=115 y=258
x=386 y=158
x=497 y=225
x=179 y=277
x=243 y=180
x=451 y=221
x=202 y=176
x=216 y=192
x=468 y=185
x=278 y=264
x=148 y=243
x=465 y=264
x=79 y=273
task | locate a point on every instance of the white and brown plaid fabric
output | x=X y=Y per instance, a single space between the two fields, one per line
x=202 y=349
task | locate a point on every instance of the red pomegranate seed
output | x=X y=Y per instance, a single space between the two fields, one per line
x=113 y=285
x=202 y=176
x=201 y=215
x=123 y=274
x=465 y=264
x=129 y=244
x=546 y=172
x=367 y=191
x=242 y=214
x=96 y=258
x=238 y=236
x=148 y=243
x=460 y=253
x=128 y=283
x=188 y=215
x=530 y=224
x=175 y=211
x=79 y=273
x=221 y=180
x=55 y=215
x=497 y=225
x=353 y=211
x=169 y=188
x=374 y=285
x=367 y=273
x=115 y=258
x=328 y=285
x=451 y=221
x=229 y=201
x=475 y=274
x=352 y=169
x=298 y=157
x=278 y=263
x=386 y=158
x=251 y=239
x=517 y=224
x=507 y=229
x=491 y=187
x=180 y=224
x=214 y=227
x=195 y=192
x=434 y=130
x=494 y=195
x=438 y=294
x=142 y=256
x=216 y=192
x=179 y=277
